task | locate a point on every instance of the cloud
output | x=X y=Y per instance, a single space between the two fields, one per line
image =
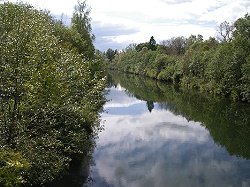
x=55 y=6
x=164 y=19
x=108 y=33
x=109 y=29
x=117 y=23
x=228 y=12
x=105 y=42
x=118 y=98
x=166 y=126
x=160 y=149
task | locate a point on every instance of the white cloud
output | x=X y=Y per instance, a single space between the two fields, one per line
x=229 y=12
x=151 y=149
x=55 y=6
x=156 y=125
x=161 y=32
x=189 y=14
x=160 y=18
x=118 y=98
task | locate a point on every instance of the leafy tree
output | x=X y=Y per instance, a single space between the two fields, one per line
x=242 y=27
x=140 y=46
x=200 y=38
x=178 y=45
x=81 y=23
x=150 y=105
x=242 y=53
x=152 y=44
x=50 y=95
x=174 y=46
x=131 y=47
x=191 y=40
x=110 y=53
x=225 y=32
x=12 y=168
x=245 y=86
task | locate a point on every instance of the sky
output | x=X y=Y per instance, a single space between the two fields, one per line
x=118 y=23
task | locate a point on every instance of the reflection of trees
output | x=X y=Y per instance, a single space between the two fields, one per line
x=150 y=105
x=228 y=122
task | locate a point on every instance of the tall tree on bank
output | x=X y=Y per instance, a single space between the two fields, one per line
x=110 y=54
x=152 y=44
x=81 y=22
x=242 y=55
x=225 y=32
x=50 y=97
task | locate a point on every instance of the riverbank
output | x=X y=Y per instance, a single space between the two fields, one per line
x=221 y=68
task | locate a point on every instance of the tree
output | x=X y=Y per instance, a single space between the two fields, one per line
x=152 y=44
x=50 y=97
x=141 y=45
x=179 y=45
x=174 y=46
x=150 y=105
x=225 y=32
x=81 y=23
x=200 y=38
x=242 y=27
x=242 y=54
x=110 y=54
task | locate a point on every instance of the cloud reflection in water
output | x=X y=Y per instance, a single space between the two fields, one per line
x=140 y=149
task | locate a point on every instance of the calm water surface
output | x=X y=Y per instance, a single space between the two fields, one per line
x=152 y=138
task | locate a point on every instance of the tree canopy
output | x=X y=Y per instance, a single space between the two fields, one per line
x=81 y=23
x=50 y=94
x=215 y=66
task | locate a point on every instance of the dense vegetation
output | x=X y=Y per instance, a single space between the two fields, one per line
x=50 y=94
x=220 y=66
x=227 y=121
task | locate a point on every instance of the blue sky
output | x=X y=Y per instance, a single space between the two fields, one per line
x=117 y=23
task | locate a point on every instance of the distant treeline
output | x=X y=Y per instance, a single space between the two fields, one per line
x=217 y=65
x=50 y=95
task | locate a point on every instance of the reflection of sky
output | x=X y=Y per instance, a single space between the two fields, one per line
x=121 y=103
x=160 y=149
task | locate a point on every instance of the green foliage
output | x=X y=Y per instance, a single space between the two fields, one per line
x=81 y=24
x=170 y=73
x=12 y=168
x=241 y=44
x=208 y=65
x=221 y=70
x=245 y=86
x=70 y=38
x=152 y=44
x=110 y=53
x=140 y=46
x=225 y=31
x=50 y=95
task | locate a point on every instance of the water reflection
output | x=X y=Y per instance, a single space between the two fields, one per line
x=163 y=145
x=120 y=102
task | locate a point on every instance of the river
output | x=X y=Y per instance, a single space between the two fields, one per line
x=157 y=134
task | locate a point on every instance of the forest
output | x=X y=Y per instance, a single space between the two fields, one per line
x=51 y=93
x=218 y=65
